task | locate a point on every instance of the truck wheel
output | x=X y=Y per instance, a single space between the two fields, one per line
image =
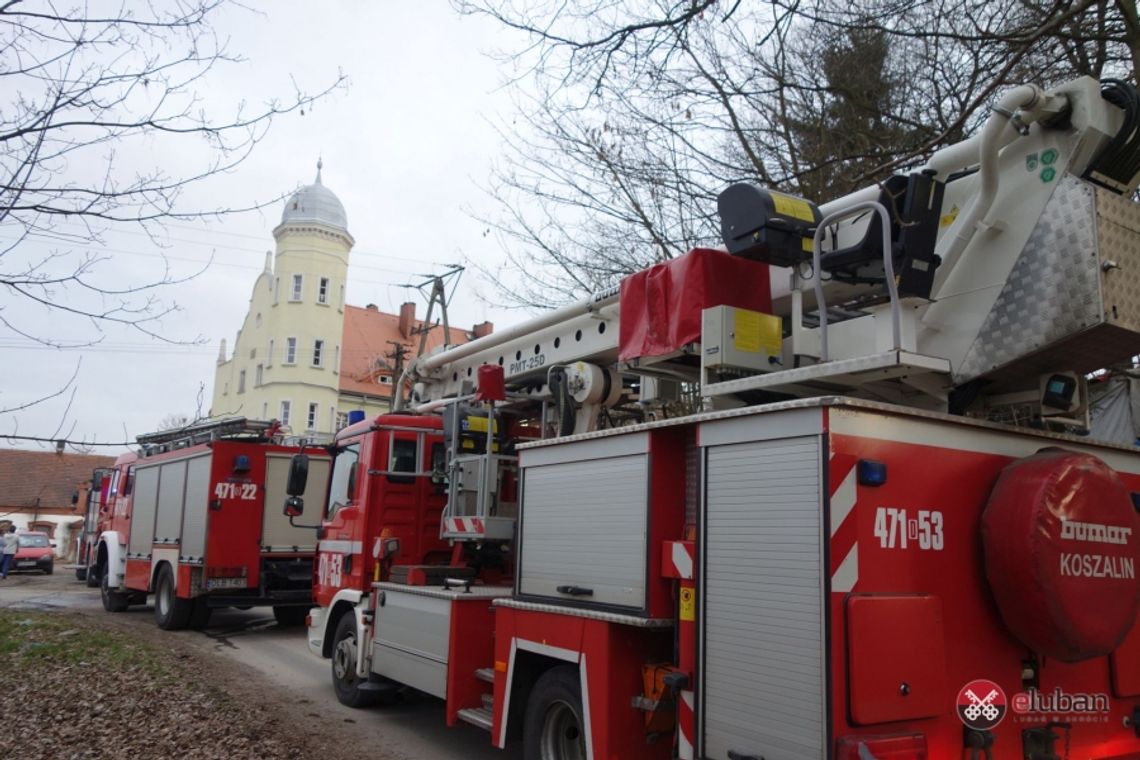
x=290 y=617
x=345 y=681
x=552 y=729
x=113 y=601
x=200 y=617
x=170 y=612
x=93 y=576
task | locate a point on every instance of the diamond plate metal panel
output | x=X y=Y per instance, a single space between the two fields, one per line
x=1119 y=238
x=1053 y=290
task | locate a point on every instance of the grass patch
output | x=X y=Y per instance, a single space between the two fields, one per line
x=28 y=638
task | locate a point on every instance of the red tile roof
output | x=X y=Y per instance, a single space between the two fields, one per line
x=50 y=477
x=367 y=353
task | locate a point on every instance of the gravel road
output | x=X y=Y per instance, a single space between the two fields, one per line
x=243 y=688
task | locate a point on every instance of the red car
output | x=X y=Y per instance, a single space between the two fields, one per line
x=34 y=551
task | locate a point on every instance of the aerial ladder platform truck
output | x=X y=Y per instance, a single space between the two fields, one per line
x=826 y=493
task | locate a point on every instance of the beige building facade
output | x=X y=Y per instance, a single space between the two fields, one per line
x=286 y=359
x=305 y=357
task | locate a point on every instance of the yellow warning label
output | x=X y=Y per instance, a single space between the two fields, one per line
x=753 y=331
x=796 y=208
x=746 y=330
x=688 y=604
x=947 y=219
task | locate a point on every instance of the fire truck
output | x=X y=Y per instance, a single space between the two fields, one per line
x=91 y=495
x=825 y=493
x=185 y=519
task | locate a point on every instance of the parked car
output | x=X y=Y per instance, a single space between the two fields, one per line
x=34 y=551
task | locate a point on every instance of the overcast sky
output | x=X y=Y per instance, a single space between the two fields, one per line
x=405 y=147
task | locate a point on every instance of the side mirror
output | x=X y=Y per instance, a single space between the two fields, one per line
x=53 y=544
x=391 y=547
x=298 y=475
x=294 y=506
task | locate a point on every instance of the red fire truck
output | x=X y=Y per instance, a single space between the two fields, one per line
x=826 y=494
x=195 y=519
x=92 y=497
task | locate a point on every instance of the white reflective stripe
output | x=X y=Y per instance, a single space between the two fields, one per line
x=685 y=722
x=341 y=547
x=682 y=560
x=586 y=710
x=507 y=699
x=843 y=501
x=558 y=653
x=847 y=575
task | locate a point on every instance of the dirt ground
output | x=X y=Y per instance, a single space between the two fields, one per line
x=76 y=682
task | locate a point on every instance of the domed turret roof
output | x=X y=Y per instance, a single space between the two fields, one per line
x=315 y=203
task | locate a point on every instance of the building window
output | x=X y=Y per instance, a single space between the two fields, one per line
x=241 y=381
x=298 y=286
x=342 y=298
x=284 y=416
x=257 y=320
x=341 y=421
x=323 y=291
x=336 y=359
x=264 y=410
x=276 y=290
x=290 y=350
x=253 y=353
x=269 y=358
x=259 y=377
x=385 y=380
x=225 y=389
x=318 y=353
x=311 y=420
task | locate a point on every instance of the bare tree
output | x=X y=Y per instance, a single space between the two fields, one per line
x=639 y=114
x=98 y=101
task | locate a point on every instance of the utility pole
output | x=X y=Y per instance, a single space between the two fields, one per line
x=438 y=284
x=399 y=351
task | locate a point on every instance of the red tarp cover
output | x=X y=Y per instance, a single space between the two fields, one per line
x=661 y=306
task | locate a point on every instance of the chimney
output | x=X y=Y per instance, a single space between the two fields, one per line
x=483 y=329
x=407 y=318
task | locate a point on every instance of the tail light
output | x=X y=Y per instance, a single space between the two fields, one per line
x=896 y=747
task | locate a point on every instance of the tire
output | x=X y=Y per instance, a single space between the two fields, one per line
x=80 y=573
x=290 y=617
x=170 y=612
x=200 y=617
x=93 y=576
x=345 y=681
x=113 y=601
x=553 y=727
x=50 y=569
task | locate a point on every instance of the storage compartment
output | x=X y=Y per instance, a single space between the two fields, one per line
x=585 y=516
x=763 y=689
x=144 y=505
x=897 y=658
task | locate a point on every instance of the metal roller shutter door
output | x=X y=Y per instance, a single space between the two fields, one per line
x=763 y=647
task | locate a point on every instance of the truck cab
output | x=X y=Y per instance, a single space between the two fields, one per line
x=387 y=493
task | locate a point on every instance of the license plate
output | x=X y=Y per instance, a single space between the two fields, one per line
x=26 y=563
x=216 y=583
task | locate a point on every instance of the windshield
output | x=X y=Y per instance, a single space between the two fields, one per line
x=342 y=487
x=35 y=542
